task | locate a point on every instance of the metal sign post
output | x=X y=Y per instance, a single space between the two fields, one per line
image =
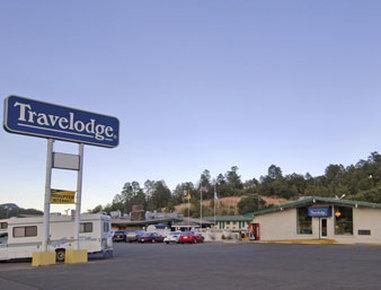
x=78 y=198
x=48 y=182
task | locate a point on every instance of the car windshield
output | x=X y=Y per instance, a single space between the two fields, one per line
x=119 y=232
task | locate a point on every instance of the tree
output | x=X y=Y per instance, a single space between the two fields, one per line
x=180 y=192
x=149 y=187
x=131 y=195
x=205 y=179
x=234 y=180
x=274 y=172
x=161 y=196
x=221 y=186
x=250 y=204
x=97 y=209
x=358 y=181
x=205 y=182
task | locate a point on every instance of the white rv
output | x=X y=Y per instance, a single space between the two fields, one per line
x=23 y=236
x=3 y=231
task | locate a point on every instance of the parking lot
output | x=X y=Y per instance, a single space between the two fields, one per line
x=209 y=266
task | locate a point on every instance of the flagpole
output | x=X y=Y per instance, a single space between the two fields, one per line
x=188 y=197
x=201 y=207
x=214 y=204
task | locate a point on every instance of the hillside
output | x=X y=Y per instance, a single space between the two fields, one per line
x=229 y=204
x=8 y=210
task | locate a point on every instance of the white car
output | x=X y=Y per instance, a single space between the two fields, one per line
x=173 y=237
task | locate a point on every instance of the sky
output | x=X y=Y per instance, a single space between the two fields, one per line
x=196 y=85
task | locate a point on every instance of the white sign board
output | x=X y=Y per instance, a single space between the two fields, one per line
x=65 y=161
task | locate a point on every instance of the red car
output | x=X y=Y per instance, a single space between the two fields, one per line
x=150 y=238
x=186 y=238
x=198 y=237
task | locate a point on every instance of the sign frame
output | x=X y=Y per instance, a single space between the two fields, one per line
x=55 y=137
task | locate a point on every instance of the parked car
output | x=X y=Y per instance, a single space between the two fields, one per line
x=120 y=236
x=134 y=236
x=198 y=237
x=173 y=237
x=186 y=238
x=151 y=238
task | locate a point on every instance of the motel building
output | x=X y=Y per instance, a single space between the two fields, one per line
x=233 y=223
x=344 y=221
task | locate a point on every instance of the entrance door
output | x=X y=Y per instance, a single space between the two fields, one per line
x=323 y=228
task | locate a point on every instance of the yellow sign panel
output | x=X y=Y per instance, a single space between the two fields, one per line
x=59 y=196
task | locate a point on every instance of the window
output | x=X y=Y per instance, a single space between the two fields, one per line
x=21 y=232
x=304 y=222
x=3 y=225
x=343 y=220
x=86 y=227
x=234 y=223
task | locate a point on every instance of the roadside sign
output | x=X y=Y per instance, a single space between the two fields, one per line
x=59 y=196
x=30 y=117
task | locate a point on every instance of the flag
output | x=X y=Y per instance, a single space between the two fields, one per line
x=215 y=194
x=203 y=189
x=187 y=195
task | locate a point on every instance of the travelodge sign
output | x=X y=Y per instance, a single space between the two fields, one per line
x=36 y=118
x=319 y=212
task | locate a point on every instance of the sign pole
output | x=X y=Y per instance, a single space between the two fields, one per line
x=78 y=197
x=48 y=181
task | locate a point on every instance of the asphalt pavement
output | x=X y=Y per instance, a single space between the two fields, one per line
x=209 y=266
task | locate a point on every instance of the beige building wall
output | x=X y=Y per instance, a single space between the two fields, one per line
x=282 y=225
x=364 y=219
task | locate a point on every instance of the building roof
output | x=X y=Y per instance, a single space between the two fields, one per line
x=194 y=221
x=229 y=218
x=125 y=222
x=310 y=200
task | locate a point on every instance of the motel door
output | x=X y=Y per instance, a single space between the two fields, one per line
x=323 y=228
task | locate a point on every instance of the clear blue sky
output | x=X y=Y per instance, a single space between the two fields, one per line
x=195 y=84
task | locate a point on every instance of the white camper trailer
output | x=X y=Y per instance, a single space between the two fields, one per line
x=3 y=231
x=23 y=236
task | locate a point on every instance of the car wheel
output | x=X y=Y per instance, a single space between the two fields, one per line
x=60 y=256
